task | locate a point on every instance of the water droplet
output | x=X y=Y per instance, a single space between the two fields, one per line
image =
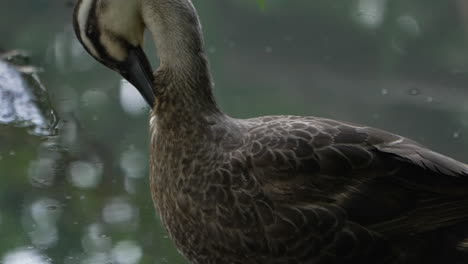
x=429 y=99
x=12 y=153
x=268 y=49
x=68 y=197
x=384 y=91
x=95 y=117
x=82 y=197
x=456 y=134
x=52 y=207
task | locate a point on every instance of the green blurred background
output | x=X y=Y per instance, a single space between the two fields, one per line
x=82 y=196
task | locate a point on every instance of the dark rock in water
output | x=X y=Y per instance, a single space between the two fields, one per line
x=23 y=100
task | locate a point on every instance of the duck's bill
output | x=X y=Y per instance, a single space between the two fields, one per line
x=137 y=70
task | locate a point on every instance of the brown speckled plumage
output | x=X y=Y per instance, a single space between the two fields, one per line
x=287 y=189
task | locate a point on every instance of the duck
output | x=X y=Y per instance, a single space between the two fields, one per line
x=271 y=189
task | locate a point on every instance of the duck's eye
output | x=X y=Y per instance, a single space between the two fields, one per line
x=90 y=30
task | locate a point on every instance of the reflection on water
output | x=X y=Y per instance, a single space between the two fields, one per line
x=132 y=163
x=120 y=214
x=23 y=101
x=127 y=252
x=370 y=13
x=25 y=256
x=131 y=100
x=84 y=174
x=41 y=222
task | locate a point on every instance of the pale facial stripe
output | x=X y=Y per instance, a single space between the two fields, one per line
x=83 y=13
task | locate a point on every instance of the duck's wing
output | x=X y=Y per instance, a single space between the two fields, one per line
x=338 y=155
x=381 y=182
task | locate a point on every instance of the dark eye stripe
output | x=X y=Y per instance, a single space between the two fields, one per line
x=87 y=29
x=82 y=13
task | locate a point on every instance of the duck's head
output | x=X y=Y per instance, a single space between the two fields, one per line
x=112 y=32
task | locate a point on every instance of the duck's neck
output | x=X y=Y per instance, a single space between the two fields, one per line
x=183 y=82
